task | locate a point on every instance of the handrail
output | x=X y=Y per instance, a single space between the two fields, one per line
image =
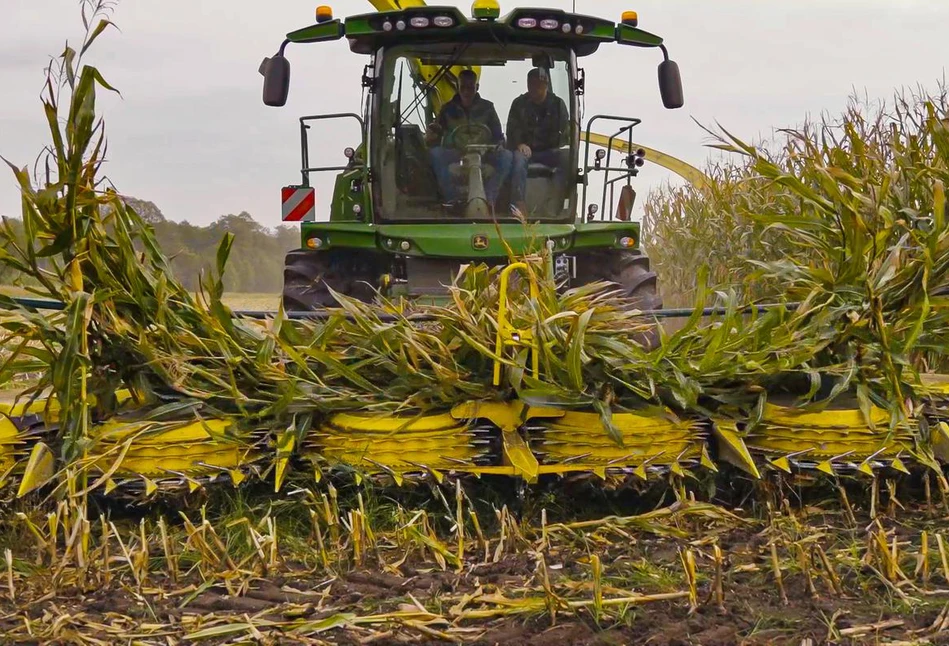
x=306 y=169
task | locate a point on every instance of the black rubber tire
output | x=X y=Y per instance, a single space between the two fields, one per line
x=630 y=272
x=308 y=274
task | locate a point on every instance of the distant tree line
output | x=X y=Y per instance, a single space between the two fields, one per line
x=256 y=260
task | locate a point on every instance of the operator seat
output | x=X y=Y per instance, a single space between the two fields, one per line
x=539 y=170
x=540 y=185
x=414 y=170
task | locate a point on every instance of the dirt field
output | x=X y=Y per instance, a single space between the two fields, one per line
x=689 y=573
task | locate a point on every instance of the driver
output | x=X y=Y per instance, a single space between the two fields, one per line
x=537 y=131
x=468 y=108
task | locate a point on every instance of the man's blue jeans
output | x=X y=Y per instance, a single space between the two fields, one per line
x=443 y=158
x=556 y=159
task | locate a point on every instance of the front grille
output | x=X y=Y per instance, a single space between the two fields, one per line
x=431 y=275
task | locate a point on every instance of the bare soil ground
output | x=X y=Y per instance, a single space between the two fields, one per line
x=752 y=613
x=527 y=585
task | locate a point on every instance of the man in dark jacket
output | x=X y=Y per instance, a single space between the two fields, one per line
x=537 y=128
x=467 y=108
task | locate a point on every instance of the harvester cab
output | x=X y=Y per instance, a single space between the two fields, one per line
x=472 y=125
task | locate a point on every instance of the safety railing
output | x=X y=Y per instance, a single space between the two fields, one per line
x=306 y=169
x=603 y=162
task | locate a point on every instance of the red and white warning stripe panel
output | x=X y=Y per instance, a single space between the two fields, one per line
x=299 y=204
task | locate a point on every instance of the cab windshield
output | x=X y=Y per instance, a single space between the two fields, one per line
x=494 y=139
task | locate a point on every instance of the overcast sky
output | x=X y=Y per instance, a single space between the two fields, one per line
x=191 y=134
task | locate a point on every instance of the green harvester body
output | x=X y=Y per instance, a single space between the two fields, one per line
x=379 y=230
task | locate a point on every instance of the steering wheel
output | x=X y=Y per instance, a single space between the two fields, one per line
x=468 y=134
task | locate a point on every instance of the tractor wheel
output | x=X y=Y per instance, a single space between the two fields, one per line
x=630 y=272
x=307 y=275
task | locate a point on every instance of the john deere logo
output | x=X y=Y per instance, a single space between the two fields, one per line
x=479 y=242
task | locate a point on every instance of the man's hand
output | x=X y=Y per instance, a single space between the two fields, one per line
x=432 y=133
x=525 y=150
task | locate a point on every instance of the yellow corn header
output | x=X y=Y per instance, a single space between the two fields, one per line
x=510 y=438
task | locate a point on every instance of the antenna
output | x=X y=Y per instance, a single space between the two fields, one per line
x=574 y=6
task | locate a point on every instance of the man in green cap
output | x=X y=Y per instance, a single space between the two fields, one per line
x=538 y=132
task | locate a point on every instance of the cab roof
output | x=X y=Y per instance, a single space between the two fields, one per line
x=535 y=26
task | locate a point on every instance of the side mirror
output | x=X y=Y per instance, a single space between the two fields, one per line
x=276 y=73
x=670 y=85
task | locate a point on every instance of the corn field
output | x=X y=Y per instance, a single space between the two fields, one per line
x=171 y=473
x=730 y=227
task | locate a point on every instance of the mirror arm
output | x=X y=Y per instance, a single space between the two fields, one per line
x=263 y=65
x=665 y=52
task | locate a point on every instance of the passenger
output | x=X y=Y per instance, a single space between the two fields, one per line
x=537 y=127
x=467 y=107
